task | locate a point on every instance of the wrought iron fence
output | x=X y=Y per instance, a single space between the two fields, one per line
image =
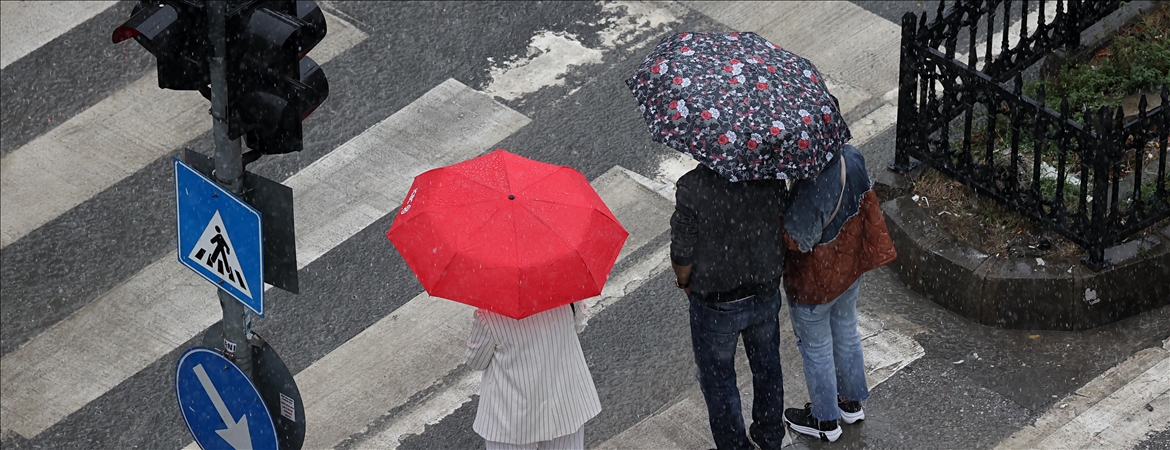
x=1096 y=183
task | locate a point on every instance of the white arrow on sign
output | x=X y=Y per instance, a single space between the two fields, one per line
x=236 y=434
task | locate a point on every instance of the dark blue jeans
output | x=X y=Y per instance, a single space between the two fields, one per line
x=715 y=330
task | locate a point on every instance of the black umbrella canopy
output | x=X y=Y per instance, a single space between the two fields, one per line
x=740 y=105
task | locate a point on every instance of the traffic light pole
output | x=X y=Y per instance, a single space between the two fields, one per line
x=229 y=172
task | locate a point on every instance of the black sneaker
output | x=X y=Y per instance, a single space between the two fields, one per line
x=850 y=410
x=803 y=422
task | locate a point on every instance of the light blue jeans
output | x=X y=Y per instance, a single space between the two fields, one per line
x=831 y=347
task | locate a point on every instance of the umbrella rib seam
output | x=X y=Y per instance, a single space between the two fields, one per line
x=563 y=241
x=534 y=183
x=461 y=251
x=465 y=177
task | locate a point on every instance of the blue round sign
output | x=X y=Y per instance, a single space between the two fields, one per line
x=220 y=404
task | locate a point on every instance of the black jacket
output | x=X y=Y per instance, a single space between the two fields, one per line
x=730 y=232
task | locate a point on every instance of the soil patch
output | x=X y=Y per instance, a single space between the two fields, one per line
x=991 y=228
x=984 y=224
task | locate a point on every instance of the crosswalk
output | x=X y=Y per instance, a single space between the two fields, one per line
x=111 y=141
x=400 y=374
x=27 y=33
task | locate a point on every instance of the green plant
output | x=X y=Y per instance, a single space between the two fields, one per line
x=1138 y=59
x=1070 y=197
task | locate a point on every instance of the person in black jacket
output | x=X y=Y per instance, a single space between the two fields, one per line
x=727 y=253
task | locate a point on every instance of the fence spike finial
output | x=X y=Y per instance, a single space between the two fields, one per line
x=1064 y=107
x=1142 y=105
x=1019 y=84
x=1103 y=122
x=1040 y=95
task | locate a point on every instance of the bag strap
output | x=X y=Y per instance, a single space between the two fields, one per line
x=838 y=208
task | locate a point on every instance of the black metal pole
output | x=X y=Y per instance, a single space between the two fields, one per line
x=1099 y=214
x=229 y=171
x=906 y=88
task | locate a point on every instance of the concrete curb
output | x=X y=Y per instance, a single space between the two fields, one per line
x=1056 y=294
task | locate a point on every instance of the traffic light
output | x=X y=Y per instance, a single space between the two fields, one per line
x=272 y=84
x=175 y=32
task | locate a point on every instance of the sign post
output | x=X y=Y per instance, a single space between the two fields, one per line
x=249 y=58
x=229 y=171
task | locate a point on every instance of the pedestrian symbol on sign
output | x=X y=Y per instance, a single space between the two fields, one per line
x=214 y=251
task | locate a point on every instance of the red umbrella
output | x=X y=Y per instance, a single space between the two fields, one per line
x=508 y=234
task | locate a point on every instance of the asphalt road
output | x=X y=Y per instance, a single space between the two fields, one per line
x=970 y=386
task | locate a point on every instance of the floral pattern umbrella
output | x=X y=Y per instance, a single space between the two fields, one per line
x=740 y=105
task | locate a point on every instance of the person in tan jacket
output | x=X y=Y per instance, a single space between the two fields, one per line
x=834 y=233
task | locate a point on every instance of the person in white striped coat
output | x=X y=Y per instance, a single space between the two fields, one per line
x=537 y=392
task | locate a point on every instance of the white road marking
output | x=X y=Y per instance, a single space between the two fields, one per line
x=862 y=52
x=1118 y=409
x=27 y=25
x=873 y=124
x=428 y=412
x=413 y=348
x=165 y=305
x=1034 y=21
x=110 y=141
x=552 y=55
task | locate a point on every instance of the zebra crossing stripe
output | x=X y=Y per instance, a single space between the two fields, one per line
x=1034 y=21
x=1118 y=409
x=75 y=361
x=23 y=24
x=110 y=141
x=863 y=51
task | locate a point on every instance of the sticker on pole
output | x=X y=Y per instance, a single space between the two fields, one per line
x=219 y=236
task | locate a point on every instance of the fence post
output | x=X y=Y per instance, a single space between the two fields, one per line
x=907 y=86
x=1160 y=136
x=1100 y=162
x=1072 y=30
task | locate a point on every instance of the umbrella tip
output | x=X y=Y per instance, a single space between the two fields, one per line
x=511 y=197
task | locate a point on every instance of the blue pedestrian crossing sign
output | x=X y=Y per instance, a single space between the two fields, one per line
x=219 y=236
x=220 y=404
